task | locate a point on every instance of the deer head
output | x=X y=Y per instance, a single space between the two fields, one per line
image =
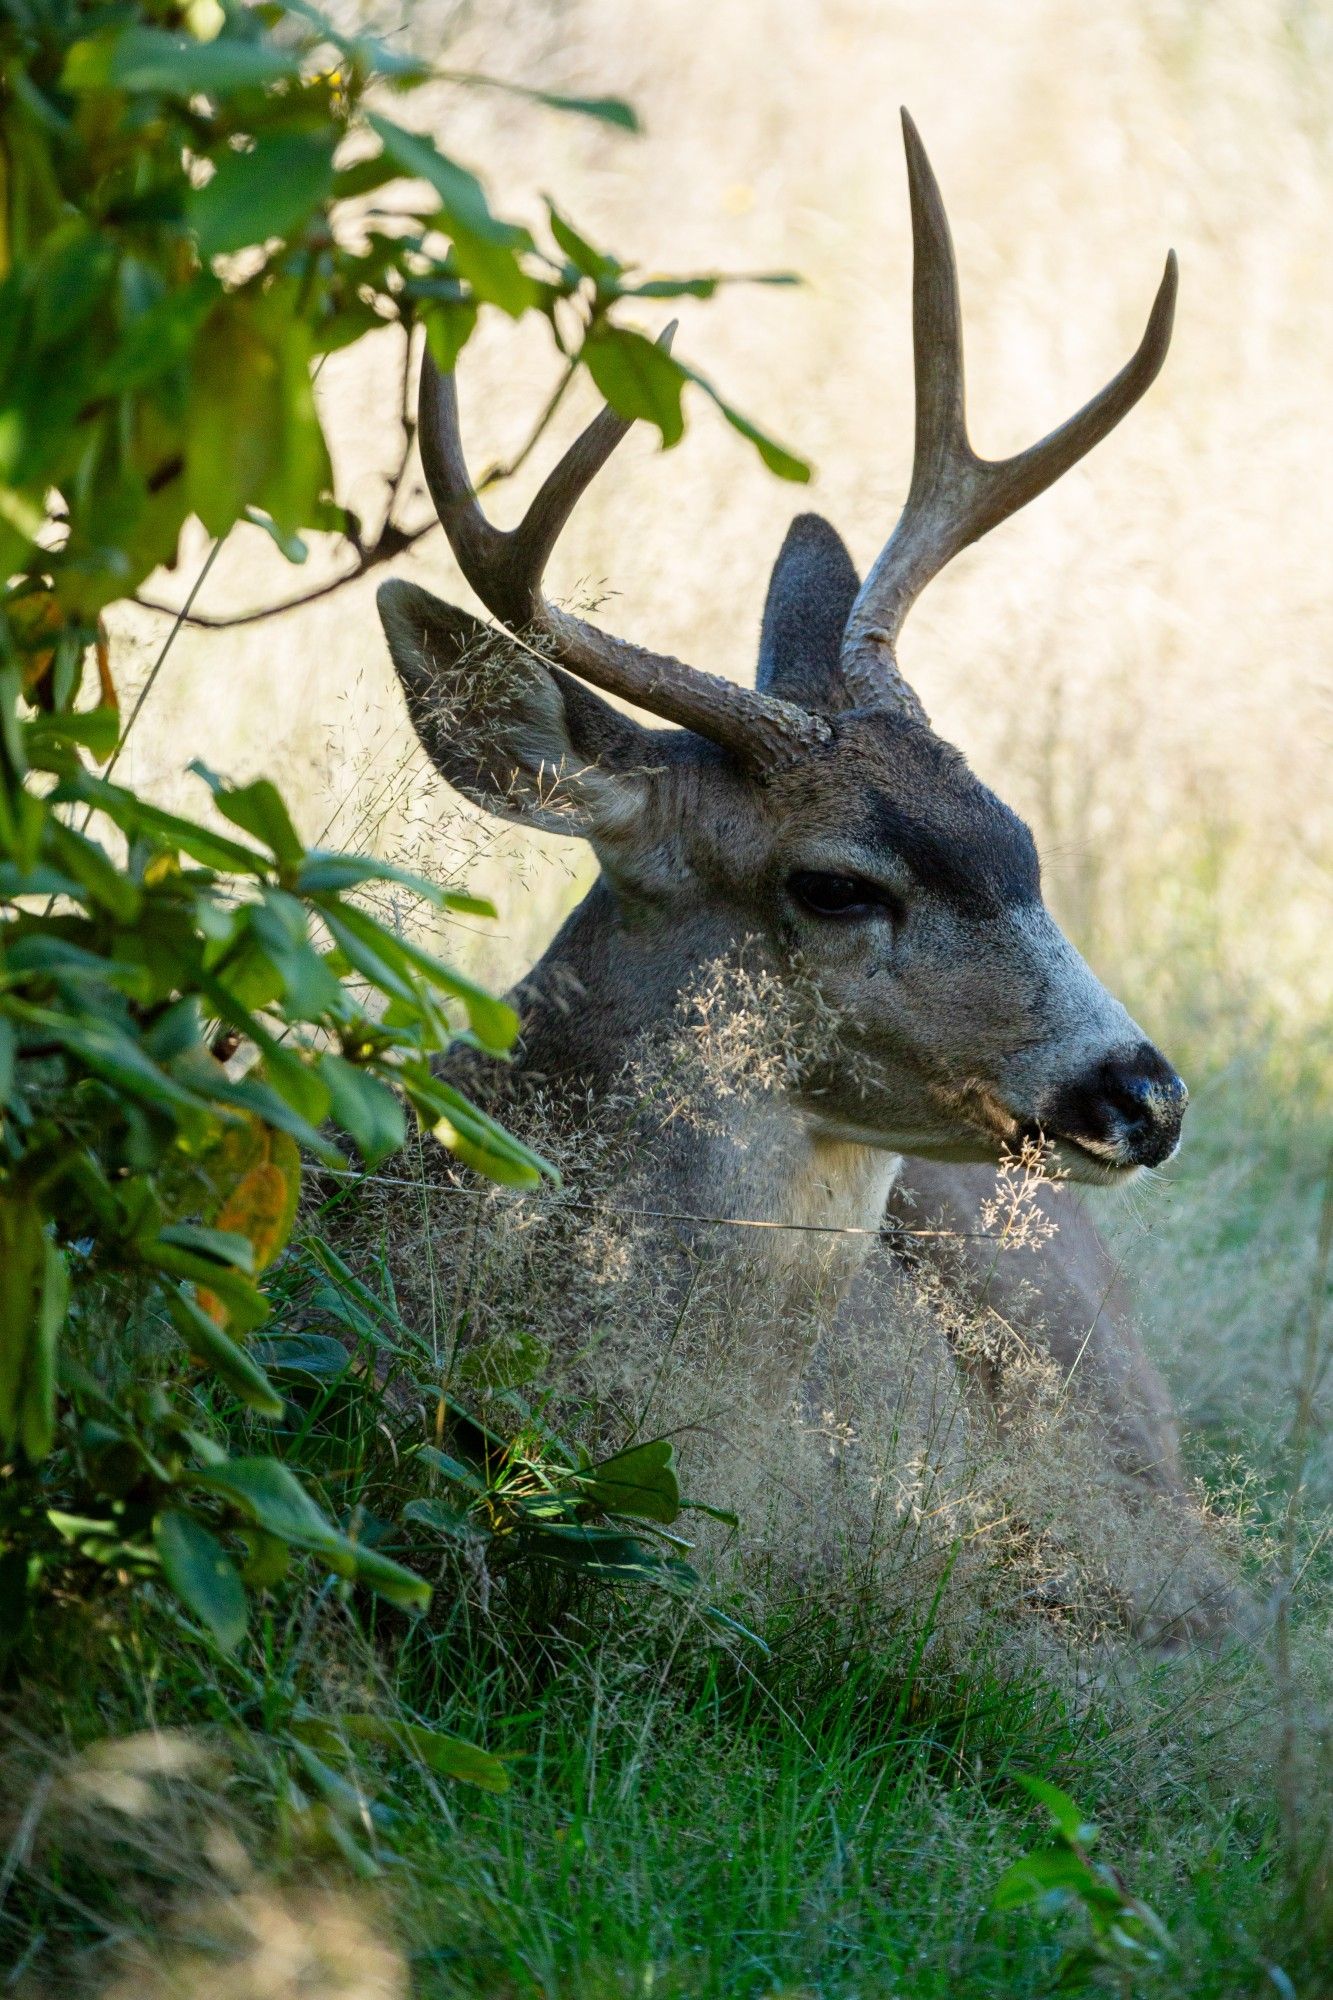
x=817 y=813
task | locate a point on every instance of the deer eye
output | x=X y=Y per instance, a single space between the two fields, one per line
x=842 y=895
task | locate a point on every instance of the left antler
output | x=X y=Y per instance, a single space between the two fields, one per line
x=955 y=496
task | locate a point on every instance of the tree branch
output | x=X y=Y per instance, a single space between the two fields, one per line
x=392 y=542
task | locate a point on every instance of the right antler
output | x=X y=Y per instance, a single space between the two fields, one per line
x=505 y=568
x=955 y=497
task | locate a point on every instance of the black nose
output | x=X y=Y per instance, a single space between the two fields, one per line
x=1128 y=1109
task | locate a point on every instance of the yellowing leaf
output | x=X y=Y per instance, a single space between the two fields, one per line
x=260 y=1207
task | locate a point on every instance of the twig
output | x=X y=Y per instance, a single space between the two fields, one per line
x=887 y=1230
x=392 y=542
x=182 y=617
x=500 y=472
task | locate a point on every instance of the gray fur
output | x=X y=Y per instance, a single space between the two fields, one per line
x=954 y=1032
x=810 y=597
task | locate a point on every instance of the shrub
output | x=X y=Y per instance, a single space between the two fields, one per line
x=188 y=225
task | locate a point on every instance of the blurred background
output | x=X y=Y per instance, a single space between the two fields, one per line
x=1139 y=662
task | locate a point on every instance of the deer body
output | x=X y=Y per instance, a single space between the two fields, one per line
x=814 y=843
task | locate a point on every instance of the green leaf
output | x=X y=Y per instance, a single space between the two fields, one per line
x=253 y=432
x=272 y=190
x=723 y=1621
x=246 y=1306
x=303 y=1357
x=324 y=873
x=149 y=59
x=486 y=250
x=608 y=1551
x=364 y=955
x=366 y=1108
x=1050 y=1878
x=21 y=1240
x=722 y=1514
x=640 y=379
x=387 y=1578
x=295 y=550
x=449 y=325
x=114 y=1055
x=365 y=176
x=22 y=1269
x=460 y=191
x=37 y=1408
x=158 y=339
x=449 y=1467
x=258 y=809
x=1069 y=1818
x=674 y=288
x=583 y=255
x=641 y=1480
x=267 y=1559
x=134 y=815
x=273 y=1498
x=69 y=276
x=503 y=1362
x=202 y=1575
x=476 y=1138
x=637 y=377
x=281 y=959
x=92 y=867
x=448 y=1756
x=441 y=1519
x=493 y=1021
x=97 y=729
x=241 y=1373
x=73 y=970
x=607 y=110
x=8 y=1051
x=347 y=1803
x=775 y=456
x=222 y=1245
x=250 y=1093
x=704 y=285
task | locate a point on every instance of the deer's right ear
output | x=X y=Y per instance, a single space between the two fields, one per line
x=810 y=597
x=514 y=736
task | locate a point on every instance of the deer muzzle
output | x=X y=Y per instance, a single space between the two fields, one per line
x=1124 y=1112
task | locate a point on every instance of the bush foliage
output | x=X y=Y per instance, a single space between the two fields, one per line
x=190 y=220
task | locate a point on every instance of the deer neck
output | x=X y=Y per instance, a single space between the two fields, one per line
x=602 y=1012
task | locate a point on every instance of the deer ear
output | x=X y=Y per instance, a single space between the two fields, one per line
x=810 y=595
x=514 y=736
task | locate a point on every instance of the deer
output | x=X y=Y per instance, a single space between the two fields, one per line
x=816 y=826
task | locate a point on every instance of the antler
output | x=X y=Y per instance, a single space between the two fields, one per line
x=505 y=569
x=955 y=497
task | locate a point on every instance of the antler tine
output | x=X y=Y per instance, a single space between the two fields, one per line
x=505 y=568
x=955 y=496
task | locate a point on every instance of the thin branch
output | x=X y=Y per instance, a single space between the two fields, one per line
x=181 y=617
x=408 y=423
x=391 y=543
x=500 y=472
x=888 y=1231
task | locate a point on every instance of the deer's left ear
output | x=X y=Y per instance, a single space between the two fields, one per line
x=515 y=736
x=810 y=594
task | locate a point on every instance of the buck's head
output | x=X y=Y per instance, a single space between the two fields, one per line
x=816 y=816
